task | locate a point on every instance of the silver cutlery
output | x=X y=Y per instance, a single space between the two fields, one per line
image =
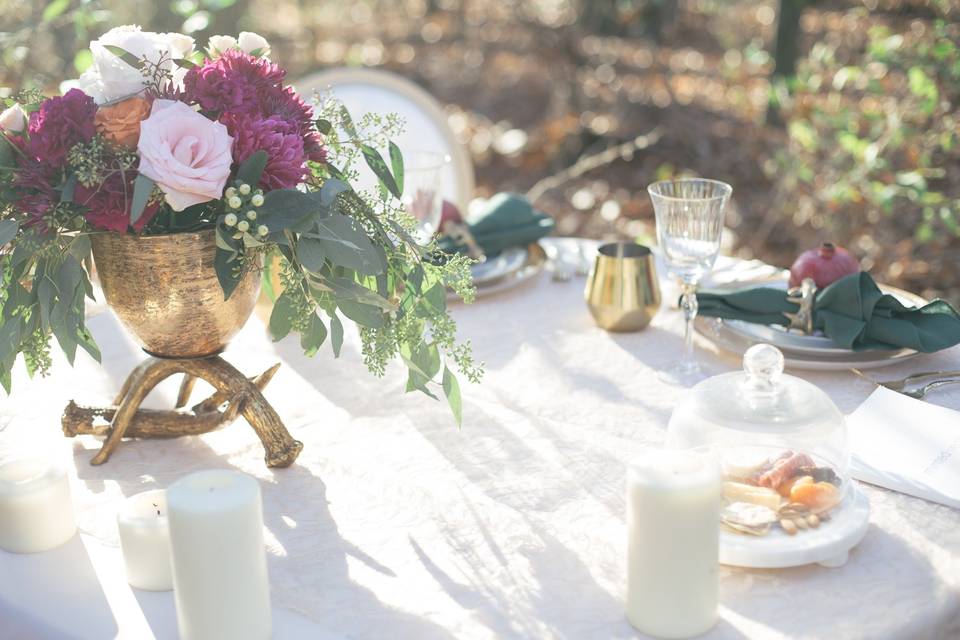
x=903 y=383
x=922 y=391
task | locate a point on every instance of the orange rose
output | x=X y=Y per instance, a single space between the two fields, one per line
x=120 y=123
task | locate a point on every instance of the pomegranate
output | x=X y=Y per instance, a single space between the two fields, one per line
x=825 y=265
x=449 y=213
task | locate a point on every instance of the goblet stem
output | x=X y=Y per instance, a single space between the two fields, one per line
x=688 y=302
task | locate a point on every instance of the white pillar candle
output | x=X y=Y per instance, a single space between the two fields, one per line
x=35 y=509
x=673 y=550
x=145 y=540
x=219 y=560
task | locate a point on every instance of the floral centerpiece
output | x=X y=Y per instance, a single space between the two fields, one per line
x=158 y=139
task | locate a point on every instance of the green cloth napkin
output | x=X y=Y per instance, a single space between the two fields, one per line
x=506 y=220
x=852 y=312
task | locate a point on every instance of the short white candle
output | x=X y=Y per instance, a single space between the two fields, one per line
x=673 y=550
x=35 y=509
x=219 y=560
x=145 y=540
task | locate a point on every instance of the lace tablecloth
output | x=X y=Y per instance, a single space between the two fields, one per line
x=394 y=523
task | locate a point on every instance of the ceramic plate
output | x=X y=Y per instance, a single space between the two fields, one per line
x=719 y=332
x=492 y=269
x=534 y=259
x=425 y=124
x=813 y=345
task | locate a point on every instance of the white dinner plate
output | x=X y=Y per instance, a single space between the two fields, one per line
x=425 y=124
x=812 y=345
x=534 y=259
x=501 y=265
x=719 y=332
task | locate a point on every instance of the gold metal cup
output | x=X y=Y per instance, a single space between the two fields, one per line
x=622 y=291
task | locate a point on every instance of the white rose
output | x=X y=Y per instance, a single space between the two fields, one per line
x=13 y=119
x=218 y=44
x=250 y=42
x=109 y=78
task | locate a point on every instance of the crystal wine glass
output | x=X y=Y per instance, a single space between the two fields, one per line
x=423 y=173
x=689 y=225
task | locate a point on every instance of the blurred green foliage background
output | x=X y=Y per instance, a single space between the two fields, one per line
x=857 y=142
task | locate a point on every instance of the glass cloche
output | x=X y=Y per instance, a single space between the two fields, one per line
x=782 y=444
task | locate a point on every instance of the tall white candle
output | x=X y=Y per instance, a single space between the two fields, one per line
x=35 y=509
x=673 y=550
x=145 y=540
x=219 y=559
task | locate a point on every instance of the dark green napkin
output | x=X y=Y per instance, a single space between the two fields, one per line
x=852 y=312
x=507 y=220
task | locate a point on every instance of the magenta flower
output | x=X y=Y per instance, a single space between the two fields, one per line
x=34 y=181
x=108 y=204
x=59 y=124
x=285 y=103
x=233 y=82
x=279 y=138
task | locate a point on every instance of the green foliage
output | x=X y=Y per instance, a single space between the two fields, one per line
x=879 y=138
x=352 y=254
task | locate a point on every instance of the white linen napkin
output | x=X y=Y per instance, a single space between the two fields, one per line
x=906 y=445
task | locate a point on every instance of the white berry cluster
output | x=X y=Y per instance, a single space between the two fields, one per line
x=242 y=202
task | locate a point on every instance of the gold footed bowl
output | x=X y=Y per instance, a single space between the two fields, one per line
x=164 y=290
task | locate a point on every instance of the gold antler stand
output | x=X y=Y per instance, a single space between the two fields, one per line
x=242 y=397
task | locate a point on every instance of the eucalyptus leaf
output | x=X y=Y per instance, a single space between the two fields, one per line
x=396 y=163
x=336 y=334
x=310 y=253
x=379 y=167
x=69 y=186
x=69 y=277
x=365 y=314
x=451 y=389
x=88 y=344
x=227 y=269
x=285 y=208
x=252 y=168
x=124 y=55
x=312 y=338
x=330 y=190
x=142 y=188
x=8 y=231
x=345 y=289
x=7 y=154
x=345 y=244
x=282 y=317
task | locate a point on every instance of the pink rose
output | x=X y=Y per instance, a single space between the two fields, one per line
x=187 y=155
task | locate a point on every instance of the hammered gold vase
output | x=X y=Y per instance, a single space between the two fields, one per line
x=165 y=291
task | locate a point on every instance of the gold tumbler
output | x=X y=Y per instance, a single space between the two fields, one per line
x=622 y=291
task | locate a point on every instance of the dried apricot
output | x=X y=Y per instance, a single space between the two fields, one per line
x=818 y=496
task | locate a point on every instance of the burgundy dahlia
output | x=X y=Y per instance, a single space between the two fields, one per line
x=60 y=123
x=34 y=181
x=108 y=204
x=284 y=102
x=232 y=82
x=279 y=138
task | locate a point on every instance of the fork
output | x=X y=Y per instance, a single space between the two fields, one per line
x=900 y=385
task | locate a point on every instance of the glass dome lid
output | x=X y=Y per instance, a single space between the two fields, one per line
x=782 y=446
x=761 y=399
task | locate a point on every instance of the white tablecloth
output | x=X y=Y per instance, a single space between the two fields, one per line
x=394 y=523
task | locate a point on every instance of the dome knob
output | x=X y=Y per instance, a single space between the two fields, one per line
x=763 y=364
